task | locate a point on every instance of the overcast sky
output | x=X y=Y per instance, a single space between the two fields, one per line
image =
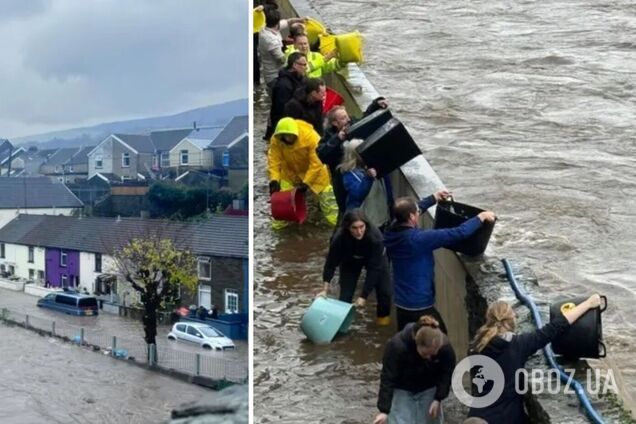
x=71 y=63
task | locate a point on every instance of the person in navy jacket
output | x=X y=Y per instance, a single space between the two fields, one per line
x=410 y=250
x=496 y=339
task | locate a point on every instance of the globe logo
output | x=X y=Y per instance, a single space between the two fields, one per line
x=488 y=378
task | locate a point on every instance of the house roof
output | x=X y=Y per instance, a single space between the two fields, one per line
x=81 y=157
x=5 y=148
x=235 y=128
x=40 y=192
x=221 y=236
x=165 y=140
x=61 y=156
x=141 y=143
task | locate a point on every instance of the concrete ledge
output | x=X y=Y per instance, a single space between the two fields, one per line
x=39 y=291
x=11 y=285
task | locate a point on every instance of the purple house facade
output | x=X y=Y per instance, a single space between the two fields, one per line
x=62 y=267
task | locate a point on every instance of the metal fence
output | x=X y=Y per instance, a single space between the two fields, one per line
x=190 y=363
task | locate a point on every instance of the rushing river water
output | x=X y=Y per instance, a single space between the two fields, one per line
x=523 y=107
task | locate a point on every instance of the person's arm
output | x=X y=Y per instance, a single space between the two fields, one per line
x=529 y=343
x=375 y=264
x=274 y=161
x=434 y=239
x=390 y=371
x=316 y=167
x=334 y=257
x=329 y=149
x=447 y=365
x=377 y=104
x=426 y=202
x=355 y=186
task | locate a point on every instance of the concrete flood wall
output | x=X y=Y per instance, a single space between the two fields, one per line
x=464 y=286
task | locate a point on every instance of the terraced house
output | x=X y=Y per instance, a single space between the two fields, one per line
x=78 y=253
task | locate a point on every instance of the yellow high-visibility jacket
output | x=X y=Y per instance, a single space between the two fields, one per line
x=299 y=162
x=317 y=65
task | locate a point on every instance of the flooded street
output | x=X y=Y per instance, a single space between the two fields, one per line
x=43 y=379
x=525 y=108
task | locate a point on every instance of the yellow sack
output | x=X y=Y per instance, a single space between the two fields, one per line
x=349 y=47
x=259 y=20
x=314 y=29
x=327 y=43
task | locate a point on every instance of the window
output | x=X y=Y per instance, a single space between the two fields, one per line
x=181 y=327
x=231 y=301
x=98 y=262
x=226 y=159
x=205 y=269
x=31 y=254
x=66 y=300
x=184 y=157
x=194 y=332
x=1 y=250
x=31 y=274
x=11 y=270
x=99 y=161
x=64 y=279
x=63 y=258
x=125 y=160
x=165 y=160
x=40 y=276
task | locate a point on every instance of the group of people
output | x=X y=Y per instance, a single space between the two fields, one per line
x=312 y=152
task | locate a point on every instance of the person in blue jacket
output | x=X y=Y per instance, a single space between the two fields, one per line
x=410 y=250
x=356 y=178
x=497 y=340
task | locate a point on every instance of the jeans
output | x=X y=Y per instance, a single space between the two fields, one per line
x=412 y=408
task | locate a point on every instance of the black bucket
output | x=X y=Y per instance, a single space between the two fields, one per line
x=450 y=214
x=369 y=124
x=388 y=148
x=584 y=338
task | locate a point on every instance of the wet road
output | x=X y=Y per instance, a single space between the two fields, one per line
x=43 y=380
x=526 y=108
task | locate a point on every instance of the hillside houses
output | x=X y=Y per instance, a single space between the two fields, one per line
x=78 y=253
x=220 y=152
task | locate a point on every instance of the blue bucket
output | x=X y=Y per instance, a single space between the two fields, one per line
x=325 y=318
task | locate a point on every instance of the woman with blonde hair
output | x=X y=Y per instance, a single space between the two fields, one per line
x=496 y=339
x=417 y=368
x=357 y=179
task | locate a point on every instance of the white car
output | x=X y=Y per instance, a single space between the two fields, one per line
x=200 y=334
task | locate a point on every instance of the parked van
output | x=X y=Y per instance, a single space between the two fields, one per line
x=71 y=303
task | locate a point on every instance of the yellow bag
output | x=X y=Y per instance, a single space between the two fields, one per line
x=349 y=47
x=259 y=20
x=327 y=43
x=314 y=29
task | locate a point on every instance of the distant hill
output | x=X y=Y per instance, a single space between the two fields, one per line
x=89 y=136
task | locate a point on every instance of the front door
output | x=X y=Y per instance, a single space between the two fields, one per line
x=205 y=296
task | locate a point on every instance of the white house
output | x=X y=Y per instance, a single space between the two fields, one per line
x=26 y=262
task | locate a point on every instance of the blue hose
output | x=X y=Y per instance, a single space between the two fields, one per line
x=547 y=351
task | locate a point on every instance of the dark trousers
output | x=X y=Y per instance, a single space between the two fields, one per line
x=256 y=62
x=349 y=275
x=404 y=316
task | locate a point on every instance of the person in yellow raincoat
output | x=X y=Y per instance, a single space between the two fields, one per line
x=293 y=163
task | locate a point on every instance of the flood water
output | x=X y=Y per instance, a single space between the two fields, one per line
x=526 y=108
x=44 y=380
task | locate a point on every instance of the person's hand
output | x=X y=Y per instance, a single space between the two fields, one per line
x=302 y=187
x=381 y=418
x=594 y=301
x=322 y=293
x=259 y=8
x=371 y=172
x=342 y=134
x=360 y=302
x=433 y=411
x=331 y=55
x=383 y=103
x=274 y=186
x=442 y=194
x=487 y=216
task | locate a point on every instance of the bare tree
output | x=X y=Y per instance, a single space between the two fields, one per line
x=154 y=267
